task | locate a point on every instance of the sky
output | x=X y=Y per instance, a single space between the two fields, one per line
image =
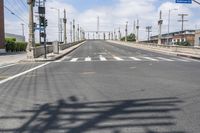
x=113 y=15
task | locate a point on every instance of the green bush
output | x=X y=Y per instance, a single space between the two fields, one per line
x=185 y=43
x=130 y=38
x=13 y=46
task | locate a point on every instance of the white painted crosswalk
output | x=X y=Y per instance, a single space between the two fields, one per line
x=132 y=58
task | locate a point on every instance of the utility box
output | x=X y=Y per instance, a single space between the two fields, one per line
x=56 y=47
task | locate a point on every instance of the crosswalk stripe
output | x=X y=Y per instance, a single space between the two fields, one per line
x=74 y=59
x=179 y=59
x=165 y=59
x=102 y=58
x=136 y=59
x=117 y=58
x=88 y=59
x=149 y=58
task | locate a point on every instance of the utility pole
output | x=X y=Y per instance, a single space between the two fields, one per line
x=134 y=27
x=65 y=27
x=109 y=35
x=182 y=20
x=119 y=34
x=182 y=24
x=148 y=29
x=78 y=32
x=126 y=32
x=98 y=28
x=31 y=43
x=137 y=27
x=71 y=27
x=74 y=36
x=160 y=22
x=22 y=29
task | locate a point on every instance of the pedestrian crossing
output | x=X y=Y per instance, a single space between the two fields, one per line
x=102 y=58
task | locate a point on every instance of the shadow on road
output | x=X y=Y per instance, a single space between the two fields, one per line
x=73 y=116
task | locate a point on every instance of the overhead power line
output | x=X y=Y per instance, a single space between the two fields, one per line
x=15 y=14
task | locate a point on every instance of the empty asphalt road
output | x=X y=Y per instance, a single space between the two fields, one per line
x=102 y=87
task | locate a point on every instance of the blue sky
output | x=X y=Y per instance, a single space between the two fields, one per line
x=113 y=14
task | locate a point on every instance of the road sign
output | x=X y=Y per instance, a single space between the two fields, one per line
x=184 y=1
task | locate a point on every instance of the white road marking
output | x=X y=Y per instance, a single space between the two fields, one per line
x=102 y=58
x=88 y=59
x=165 y=59
x=136 y=59
x=74 y=60
x=23 y=73
x=62 y=59
x=117 y=58
x=179 y=59
x=150 y=58
x=7 y=65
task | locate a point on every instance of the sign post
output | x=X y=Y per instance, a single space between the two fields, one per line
x=2 y=32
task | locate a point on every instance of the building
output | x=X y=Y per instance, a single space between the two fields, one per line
x=174 y=37
x=19 y=38
x=197 y=38
x=2 y=43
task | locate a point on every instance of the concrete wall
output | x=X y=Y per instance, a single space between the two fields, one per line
x=39 y=51
x=197 y=38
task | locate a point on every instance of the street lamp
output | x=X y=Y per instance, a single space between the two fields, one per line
x=169 y=17
x=58 y=22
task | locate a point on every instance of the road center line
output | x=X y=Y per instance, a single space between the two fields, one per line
x=149 y=58
x=23 y=73
x=136 y=59
x=88 y=59
x=7 y=66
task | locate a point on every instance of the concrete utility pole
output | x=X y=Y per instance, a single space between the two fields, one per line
x=71 y=27
x=169 y=19
x=160 y=22
x=148 y=29
x=74 y=36
x=98 y=37
x=119 y=34
x=88 y=36
x=134 y=26
x=78 y=32
x=137 y=27
x=2 y=32
x=59 y=24
x=65 y=27
x=31 y=43
x=109 y=36
x=22 y=30
x=126 y=32
x=182 y=20
x=182 y=24
x=104 y=36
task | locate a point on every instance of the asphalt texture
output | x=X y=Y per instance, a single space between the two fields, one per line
x=103 y=88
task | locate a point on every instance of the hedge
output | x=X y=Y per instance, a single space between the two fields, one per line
x=13 y=46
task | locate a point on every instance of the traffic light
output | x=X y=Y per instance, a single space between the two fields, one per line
x=42 y=21
x=46 y=22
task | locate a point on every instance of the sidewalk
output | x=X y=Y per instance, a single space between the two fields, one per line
x=52 y=56
x=158 y=50
x=11 y=58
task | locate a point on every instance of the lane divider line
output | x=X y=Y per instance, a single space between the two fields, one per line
x=23 y=73
x=7 y=66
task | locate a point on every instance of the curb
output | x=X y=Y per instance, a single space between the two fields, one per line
x=54 y=58
x=189 y=56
